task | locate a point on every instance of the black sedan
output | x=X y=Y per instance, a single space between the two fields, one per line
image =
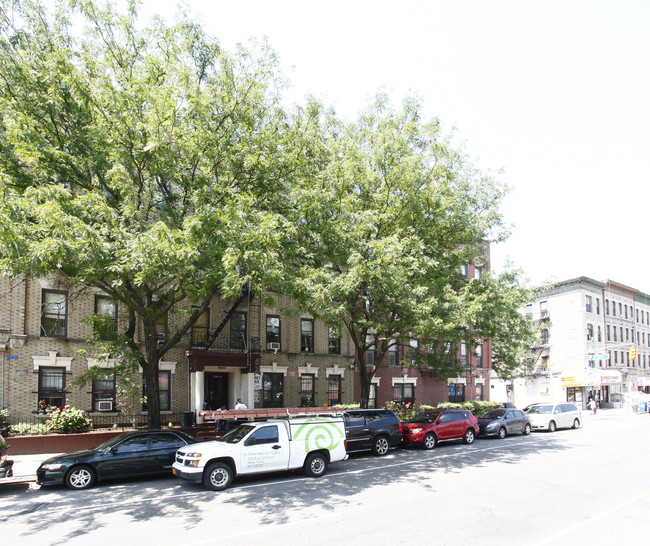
x=131 y=454
x=502 y=421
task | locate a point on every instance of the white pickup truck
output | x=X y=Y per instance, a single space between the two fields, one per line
x=269 y=446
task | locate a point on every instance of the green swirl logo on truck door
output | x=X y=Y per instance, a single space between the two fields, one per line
x=320 y=434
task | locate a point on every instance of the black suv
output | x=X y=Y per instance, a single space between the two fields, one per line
x=374 y=430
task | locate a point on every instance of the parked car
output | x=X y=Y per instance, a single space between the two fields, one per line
x=131 y=454
x=5 y=464
x=375 y=430
x=553 y=416
x=430 y=427
x=502 y=421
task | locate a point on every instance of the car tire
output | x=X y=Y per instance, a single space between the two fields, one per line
x=469 y=436
x=80 y=477
x=218 y=476
x=429 y=441
x=552 y=427
x=380 y=445
x=502 y=433
x=526 y=430
x=315 y=465
x=576 y=423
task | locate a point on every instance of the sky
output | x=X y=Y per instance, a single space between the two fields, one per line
x=550 y=97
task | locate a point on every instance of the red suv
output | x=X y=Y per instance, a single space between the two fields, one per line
x=430 y=427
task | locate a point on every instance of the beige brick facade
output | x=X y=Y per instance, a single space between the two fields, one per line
x=26 y=349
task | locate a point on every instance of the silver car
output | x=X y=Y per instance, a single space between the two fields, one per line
x=553 y=416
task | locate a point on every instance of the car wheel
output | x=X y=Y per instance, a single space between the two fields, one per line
x=502 y=433
x=429 y=441
x=218 y=476
x=380 y=445
x=576 y=423
x=315 y=465
x=552 y=426
x=469 y=436
x=526 y=430
x=80 y=477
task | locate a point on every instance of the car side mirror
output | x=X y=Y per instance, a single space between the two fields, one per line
x=251 y=441
x=113 y=450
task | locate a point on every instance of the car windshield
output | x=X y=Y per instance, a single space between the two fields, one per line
x=540 y=409
x=427 y=417
x=235 y=435
x=493 y=414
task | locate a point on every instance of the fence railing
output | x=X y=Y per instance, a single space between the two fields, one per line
x=109 y=420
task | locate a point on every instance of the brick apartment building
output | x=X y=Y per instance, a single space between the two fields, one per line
x=263 y=354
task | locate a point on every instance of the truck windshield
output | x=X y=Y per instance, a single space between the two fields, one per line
x=236 y=434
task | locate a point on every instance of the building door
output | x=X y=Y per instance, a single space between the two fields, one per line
x=216 y=390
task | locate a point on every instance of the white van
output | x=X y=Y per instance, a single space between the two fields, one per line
x=553 y=416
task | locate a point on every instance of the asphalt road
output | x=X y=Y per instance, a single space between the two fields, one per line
x=584 y=486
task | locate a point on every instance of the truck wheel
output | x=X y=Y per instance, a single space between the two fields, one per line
x=315 y=465
x=380 y=445
x=218 y=476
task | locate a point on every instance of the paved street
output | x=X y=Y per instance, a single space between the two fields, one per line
x=580 y=486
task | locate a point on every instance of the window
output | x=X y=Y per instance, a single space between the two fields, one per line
x=529 y=310
x=306 y=335
x=164 y=387
x=600 y=336
x=106 y=319
x=265 y=435
x=272 y=333
x=613 y=308
x=164 y=390
x=588 y=303
x=307 y=384
x=404 y=393
x=392 y=354
x=51 y=385
x=590 y=332
x=333 y=390
x=333 y=341
x=463 y=354
x=372 y=397
x=103 y=395
x=238 y=331
x=273 y=387
x=543 y=308
x=134 y=443
x=608 y=333
x=479 y=359
x=478 y=271
x=199 y=331
x=54 y=313
x=598 y=306
x=479 y=392
x=463 y=270
x=456 y=392
x=615 y=337
x=166 y=440
x=607 y=307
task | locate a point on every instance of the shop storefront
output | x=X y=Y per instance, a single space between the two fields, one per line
x=602 y=385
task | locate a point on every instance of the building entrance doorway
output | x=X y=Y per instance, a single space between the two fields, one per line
x=216 y=390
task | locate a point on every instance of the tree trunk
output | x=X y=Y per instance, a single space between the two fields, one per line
x=150 y=372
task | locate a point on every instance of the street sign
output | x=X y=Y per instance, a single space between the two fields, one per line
x=12 y=357
x=604 y=356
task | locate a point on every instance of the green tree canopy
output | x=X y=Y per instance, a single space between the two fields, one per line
x=147 y=162
x=387 y=228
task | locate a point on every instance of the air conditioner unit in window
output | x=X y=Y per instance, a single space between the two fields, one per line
x=105 y=405
x=273 y=346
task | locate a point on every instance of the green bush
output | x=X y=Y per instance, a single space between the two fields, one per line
x=69 y=420
x=4 y=422
x=30 y=428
